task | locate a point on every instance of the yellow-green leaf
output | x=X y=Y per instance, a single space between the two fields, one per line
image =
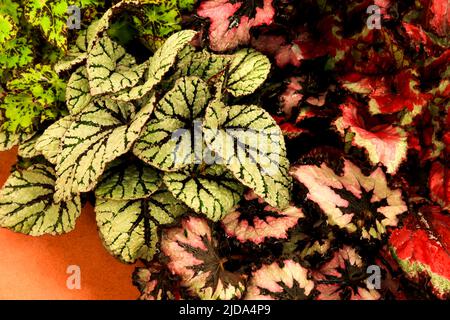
x=104 y=130
x=128 y=181
x=27 y=205
x=252 y=148
x=211 y=191
x=248 y=70
x=129 y=228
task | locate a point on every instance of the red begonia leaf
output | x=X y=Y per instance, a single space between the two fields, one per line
x=422 y=249
x=386 y=144
x=439 y=183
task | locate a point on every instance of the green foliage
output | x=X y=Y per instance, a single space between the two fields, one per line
x=161 y=19
x=35 y=96
x=116 y=138
x=51 y=17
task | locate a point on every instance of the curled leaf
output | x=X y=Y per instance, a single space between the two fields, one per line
x=158 y=65
x=384 y=143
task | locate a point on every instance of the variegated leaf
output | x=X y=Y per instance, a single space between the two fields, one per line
x=193 y=254
x=128 y=181
x=248 y=70
x=129 y=227
x=252 y=148
x=203 y=64
x=49 y=143
x=110 y=68
x=27 y=205
x=27 y=149
x=103 y=131
x=163 y=59
x=72 y=59
x=211 y=191
x=166 y=142
x=78 y=93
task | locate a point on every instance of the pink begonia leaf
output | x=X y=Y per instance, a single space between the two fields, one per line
x=344 y=278
x=193 y=255
x=155 y=283
x=286 y=280
x=360 y=204
x=255 y=221
x=231 y=21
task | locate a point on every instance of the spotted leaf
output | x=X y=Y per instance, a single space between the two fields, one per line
x=8 y=139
